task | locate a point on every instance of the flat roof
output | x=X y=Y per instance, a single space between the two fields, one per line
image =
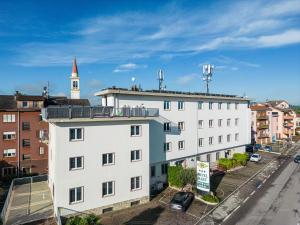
x=165 y=93
x=104 y=119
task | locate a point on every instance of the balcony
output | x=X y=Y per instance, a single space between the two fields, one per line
x=288 y=125
x=288 y=117
x=263 y=126
x=96 y=112
x=262 y=117
x=259 y=136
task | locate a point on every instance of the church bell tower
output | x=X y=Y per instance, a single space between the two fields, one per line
x=75 y=88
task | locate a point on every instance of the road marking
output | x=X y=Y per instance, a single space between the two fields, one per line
x=264 y=181
x=236 y=209
x=252 y=193
x=197 y=217
x=246 y=199
x=259 y=186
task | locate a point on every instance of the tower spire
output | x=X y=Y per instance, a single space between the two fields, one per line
x=75 y=90
x=74 y=69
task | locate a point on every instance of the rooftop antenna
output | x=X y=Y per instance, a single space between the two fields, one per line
x=161 y=80
x=207 y=75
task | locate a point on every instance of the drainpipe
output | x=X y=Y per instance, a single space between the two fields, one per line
x=18 y=168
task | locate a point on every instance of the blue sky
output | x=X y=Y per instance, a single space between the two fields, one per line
x=254 y=46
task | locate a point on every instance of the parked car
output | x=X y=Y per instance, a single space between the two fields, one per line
x=297 y=159
x=257 y=146
x=268 y=148
x=181 y=200
x=255 y=157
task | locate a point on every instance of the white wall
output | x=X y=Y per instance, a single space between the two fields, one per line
x=99 y=138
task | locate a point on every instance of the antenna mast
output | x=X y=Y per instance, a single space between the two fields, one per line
x=207 y=75
x=161 y=80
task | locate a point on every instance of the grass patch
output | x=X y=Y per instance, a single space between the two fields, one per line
x=210 y=198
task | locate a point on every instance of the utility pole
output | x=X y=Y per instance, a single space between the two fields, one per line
x=207 y=75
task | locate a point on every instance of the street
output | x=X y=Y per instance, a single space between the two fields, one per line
x=277 y=202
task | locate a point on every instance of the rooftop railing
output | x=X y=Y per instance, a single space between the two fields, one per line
x=72 y=112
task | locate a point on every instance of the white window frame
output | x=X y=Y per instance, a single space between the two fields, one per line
x=200 y=104
x=76 y=200
x=135 y=134
x=76 y=134
x=167 y=127
x=219 y=122
x=210 y=140
x=169 y=144
x=11 y=134
x=9 y=153
x=236 y=121
x=25 y=106
x=228 y=105
x=201 y=142
x=181 y=145
x=164 y=168
x=180 y=105
x=200 y=124
x=9 y=118
x=42 y=150
x=217 y=155
x=220 y=105
x=211 y=123
x=228 y=122
x=113 y=188
x=135 y=155
x=106 y=155
x=181 y=126
x=210 y=105
x=135 y=188
x=236 y=137
x=228 y=138
x=220 y=139
x=76 y=162
x=167 y=105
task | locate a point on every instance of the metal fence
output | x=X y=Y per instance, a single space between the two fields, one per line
x=19 y=181
x=69 y=112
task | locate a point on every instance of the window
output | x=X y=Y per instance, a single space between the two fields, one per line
x=236 y=106
x=180 y=145
x=25 y=104
x=108 y=159
x=217 y=155
x=210 y=140
x=210 y=105
x=200 y=105
x=135 y=130
x=9 y=135
x=26 y=142
x=236 y=121
x=9 y=153
x=164 y=168
x=152 y=172
x=108 y=188
x=208 y=158
x=135 y=203
x=136 y=183
x=9 y=118
x=210 y=123
x=76 y=195
x=167 y=146
x=220 y=122
x=236 y=137
x=228 y=122
x=35 y=104
x=25 y=126
x=76 y=134
x=42 y=150
x=228 y=105
x=220 y=105
x=200 y=124
x=228 y=137
x=75 y=84
x=220 y=139
x=8 y=171
x=200 y=142
x=180 y=105
x=135 y=155
x=76 y=163
x=26 y=156
x=167 y=127
x=106 y=210
x=180 y=126
x=167 y=105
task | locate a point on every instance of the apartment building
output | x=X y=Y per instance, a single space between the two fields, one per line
x=190 y=126
x=98 y=159
x=272 y=121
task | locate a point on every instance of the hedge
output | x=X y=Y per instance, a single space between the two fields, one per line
x=241 y=158
x=238 y=159
x=179 y=177
x=91 y=219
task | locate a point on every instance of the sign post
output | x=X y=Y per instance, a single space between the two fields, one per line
x=203 y=182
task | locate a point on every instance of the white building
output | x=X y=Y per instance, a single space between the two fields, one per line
x=210 y=126
x=110 y=157
x=98 y=164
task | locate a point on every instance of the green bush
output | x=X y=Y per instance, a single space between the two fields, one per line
x=225 y=163
x=179 y=177
x=90 y=219
x=241 y=158
x=210 y=198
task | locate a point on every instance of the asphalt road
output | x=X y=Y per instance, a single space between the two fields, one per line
x=277 y=202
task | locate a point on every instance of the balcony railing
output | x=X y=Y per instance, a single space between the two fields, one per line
x=288 y=117
x=261 y=117
x=263 y=135
x=288 y=124
x=263 y=126
x=96 y=112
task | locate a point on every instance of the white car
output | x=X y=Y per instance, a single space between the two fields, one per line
x=255 y=157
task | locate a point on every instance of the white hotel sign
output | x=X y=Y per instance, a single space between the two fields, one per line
x=203 y=176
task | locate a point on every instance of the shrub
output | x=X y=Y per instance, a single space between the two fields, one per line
x=241 y=158
x=179 y=177
x=210 y=198
x=90 y=219
x=225 y=163
x=74 y=221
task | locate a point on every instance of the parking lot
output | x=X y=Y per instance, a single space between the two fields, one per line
x=157 y=211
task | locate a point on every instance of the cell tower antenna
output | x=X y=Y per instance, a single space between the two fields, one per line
x=161 y=80
x=207 y=75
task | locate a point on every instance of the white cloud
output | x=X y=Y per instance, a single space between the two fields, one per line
x=286 y=38
x=186 y=79
x=127 y=67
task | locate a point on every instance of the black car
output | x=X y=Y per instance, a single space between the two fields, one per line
x=297 y=159
x=181 y=200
